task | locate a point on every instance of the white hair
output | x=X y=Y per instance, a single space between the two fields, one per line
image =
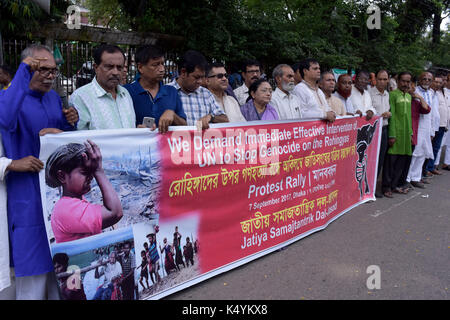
x=31 y=49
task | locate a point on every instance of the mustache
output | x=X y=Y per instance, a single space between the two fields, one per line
x=114 y=78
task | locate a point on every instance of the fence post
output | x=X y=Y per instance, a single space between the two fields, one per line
x=1 y=49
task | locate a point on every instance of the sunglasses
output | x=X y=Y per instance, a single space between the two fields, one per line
x=219 y=75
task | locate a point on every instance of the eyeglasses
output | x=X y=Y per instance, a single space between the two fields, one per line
x=253 y=71
x=219 y=75
x=45 y=72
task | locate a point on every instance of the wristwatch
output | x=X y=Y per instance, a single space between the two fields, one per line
x=212 y=118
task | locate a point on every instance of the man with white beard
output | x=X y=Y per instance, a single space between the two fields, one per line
x=286 y=103
x=423 y=149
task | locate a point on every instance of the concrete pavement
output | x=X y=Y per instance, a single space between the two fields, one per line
x=407 y=237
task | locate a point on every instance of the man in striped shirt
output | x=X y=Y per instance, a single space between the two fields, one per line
x=198 y=102
x=104 y=103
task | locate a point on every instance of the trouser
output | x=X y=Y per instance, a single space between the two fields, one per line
x=446 y=149
x=415 y=168
x=447 y=155
x=128 y=288
x=437 y=141
x=394 y=166
x=104 y=293
x=39 y=287
x=383 y=148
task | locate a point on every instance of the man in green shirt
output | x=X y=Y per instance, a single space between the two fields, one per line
x=400 y=132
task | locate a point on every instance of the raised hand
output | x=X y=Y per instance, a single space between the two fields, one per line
x=34 y=62
x=92 y=157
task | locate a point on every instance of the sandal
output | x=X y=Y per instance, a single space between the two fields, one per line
x=388 y=194
x=400 y=190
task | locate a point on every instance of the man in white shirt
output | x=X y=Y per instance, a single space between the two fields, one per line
x=343 y=92
x=328 y=83
x=360 y=97
x=423 y=149
x=286 y=103
x=112 y=272
x=251 y=72
x=446 y=139
x=312 y=99
x=444 y=117
x=380 y=100
x=217 y=83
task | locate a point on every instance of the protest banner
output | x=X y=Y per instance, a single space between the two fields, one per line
x=196 y=203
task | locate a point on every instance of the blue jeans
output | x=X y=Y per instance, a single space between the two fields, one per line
x=104 y=293
x=436 y=146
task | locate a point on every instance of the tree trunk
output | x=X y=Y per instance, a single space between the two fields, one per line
x=436 y=32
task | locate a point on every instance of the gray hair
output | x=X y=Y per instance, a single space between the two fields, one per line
x=278 y=71
x=31 y=49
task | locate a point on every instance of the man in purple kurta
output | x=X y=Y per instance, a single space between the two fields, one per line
x=29 y=108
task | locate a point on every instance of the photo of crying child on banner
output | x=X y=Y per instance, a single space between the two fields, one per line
x=94 y=193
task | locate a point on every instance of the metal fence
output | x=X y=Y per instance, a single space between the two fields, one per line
x=77 y=69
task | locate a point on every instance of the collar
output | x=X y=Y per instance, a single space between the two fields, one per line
x=309 y=86
x=178 y=87
x=245 y=88
x=100 y=92
x=375 y=90
x=356 y=90
x=423 y=89
x=141 y=90
x=281 y=93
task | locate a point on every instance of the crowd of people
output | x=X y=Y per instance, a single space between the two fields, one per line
x=175 y=255
x=114 y=270
x=415 y=123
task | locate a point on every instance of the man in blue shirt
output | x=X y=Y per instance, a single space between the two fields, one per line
x=151 y=98
x=28 y=109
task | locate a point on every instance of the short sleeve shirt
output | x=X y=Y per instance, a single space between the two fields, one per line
x=147 y=106
x=197 y=104
x=74 y=219
x=97 y=109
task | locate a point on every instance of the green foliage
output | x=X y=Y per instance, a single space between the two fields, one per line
x=19 y=16
x=273 y=31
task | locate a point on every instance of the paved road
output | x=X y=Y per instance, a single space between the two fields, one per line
x=407 y=237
